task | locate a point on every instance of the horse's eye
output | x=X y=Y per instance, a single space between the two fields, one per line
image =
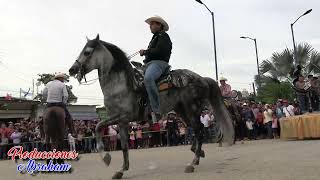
x=88 y=51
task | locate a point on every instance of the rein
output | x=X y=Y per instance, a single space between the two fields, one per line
x=92 y=81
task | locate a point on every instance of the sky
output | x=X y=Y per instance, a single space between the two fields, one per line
x=38 y=36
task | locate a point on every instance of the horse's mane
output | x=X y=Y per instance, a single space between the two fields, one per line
x=121 y=62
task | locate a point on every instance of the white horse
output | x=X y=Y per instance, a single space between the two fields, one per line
x=122 y=98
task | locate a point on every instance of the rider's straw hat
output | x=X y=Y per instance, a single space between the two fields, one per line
x=60 y=75
x=159 y=20
x=223 y=79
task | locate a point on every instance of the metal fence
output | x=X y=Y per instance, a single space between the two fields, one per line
x=148 y=139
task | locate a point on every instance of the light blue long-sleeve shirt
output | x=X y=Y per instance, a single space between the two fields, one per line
x=55 y=92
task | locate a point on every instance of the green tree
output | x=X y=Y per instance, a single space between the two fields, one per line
x=45 y=78
x=274 y=90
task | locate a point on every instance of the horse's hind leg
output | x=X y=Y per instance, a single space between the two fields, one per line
x=197 y=145
x=125 y=150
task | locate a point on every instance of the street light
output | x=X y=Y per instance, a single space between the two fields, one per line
x=255 y=43
x=294 y=44
x=214 y=37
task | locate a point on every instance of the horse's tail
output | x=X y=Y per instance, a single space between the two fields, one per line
x=221 y=113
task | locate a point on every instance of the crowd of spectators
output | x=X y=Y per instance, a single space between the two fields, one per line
x=257 y=121
x=28 y=133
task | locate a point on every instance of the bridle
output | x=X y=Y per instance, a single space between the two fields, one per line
x=82 y=69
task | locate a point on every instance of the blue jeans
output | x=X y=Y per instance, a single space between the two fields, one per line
x=303 y=102
x=154 y=70
x=268 y=127
x=87 y=144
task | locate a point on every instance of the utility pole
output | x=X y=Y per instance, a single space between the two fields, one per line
x=254 y=89
x=33 y=88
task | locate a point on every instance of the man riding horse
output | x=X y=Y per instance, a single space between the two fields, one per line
x=156 y=59
x=225 y=88
x=190 y=92
x=230 y=103
x=56 y=95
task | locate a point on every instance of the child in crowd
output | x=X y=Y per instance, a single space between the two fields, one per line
x=249 y=125
x=139 y=137
x=182 y=133
x=275 y=125
x=72 y=142
x=113 y=138
x=132 y=140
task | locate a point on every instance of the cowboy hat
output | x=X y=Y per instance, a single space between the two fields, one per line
x=171 y=112
x=159 y=20
x=60 y=75
x=223 y=79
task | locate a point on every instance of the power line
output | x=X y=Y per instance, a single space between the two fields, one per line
x=9 y=69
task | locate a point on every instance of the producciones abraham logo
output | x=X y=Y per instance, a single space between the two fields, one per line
x=32 y=166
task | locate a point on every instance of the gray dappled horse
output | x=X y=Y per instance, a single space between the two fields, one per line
x=122 y=98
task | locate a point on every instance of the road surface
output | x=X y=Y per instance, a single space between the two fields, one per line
x=253 y=160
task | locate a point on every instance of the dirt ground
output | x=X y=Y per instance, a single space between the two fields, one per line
x=253 y=160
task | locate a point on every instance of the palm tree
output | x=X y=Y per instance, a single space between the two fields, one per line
x=281 y=64
x=277 y=72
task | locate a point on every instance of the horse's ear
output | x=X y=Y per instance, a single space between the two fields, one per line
x=98 y=37
x=87 y=38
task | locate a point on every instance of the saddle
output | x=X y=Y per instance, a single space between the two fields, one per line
x=164 y=82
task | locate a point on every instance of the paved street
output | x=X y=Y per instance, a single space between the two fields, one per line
x=255 y=160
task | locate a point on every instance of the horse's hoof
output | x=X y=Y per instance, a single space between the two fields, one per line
x=117 y=175
x=189 y=169
x=202 y=154
x=107 y=159
x=220 y=144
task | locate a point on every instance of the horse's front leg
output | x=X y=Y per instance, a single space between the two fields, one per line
x=196 y=148
x=105 y=123
x=125 y=150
